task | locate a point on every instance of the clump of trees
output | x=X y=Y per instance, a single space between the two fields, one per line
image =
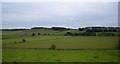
x=80 y=29
x=80 y=34
x=106 y=34
x=68 y=34
x=33 y=34
x=102 y=29
x=58 y=28
x=90 y=34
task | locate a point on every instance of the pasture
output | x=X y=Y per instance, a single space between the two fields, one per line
x=68 y=48
x=32 y=55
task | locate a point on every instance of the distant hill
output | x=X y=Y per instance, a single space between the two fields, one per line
x=88 y=29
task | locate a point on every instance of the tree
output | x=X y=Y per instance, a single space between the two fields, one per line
x=69 y=33
x=38 y=33
x=33 y=34
x=80 y=29
x=48 y=34
x=44 y=34
x=23 y=40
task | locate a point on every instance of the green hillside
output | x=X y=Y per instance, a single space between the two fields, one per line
x=68 y=48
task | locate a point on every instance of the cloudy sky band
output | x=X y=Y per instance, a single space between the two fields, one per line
x=69 y=14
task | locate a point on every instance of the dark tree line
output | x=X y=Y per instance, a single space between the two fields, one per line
x=33 y=34
x=58 y=28
x=80 y=34
x=100 y=30
x=89 y=29
x=106 y=34
x=80 y=29
x=68 y=34
x=89 y=34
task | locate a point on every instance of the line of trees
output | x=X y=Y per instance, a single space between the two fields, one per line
x=100 y=30
x=33 y=34
x=88 y=34
x=106 y=34
x=80 y=34
x=88 y=29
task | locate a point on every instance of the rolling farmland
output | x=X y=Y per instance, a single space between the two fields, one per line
x=68 y=48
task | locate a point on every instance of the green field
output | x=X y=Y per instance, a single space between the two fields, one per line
x=21 y=55
x=82 y=42
x=68 y=48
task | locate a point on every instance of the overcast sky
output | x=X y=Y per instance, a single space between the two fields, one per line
x=66 y=14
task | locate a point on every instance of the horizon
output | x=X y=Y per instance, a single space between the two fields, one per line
x=57 y=26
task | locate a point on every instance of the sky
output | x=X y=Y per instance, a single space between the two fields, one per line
x=61 y=14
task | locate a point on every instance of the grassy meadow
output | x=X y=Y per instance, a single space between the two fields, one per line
x=68 y=48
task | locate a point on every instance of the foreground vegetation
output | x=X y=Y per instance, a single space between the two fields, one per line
x=28 y=55
x=80 y=42
x=24 y=46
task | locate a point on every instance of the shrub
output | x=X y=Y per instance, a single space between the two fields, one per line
x=23 y=40
x=33 y=34
x=53 y=47
x=38 y=33
x=45 y=34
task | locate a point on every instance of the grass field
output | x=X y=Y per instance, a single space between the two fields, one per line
x=68 y=48
x=86 y=42
x=24 y=55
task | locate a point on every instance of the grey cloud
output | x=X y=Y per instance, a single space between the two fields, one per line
x=59 y=14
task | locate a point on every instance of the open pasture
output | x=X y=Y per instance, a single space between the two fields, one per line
x=82 y=42
x=26 y=55
x=68 y=48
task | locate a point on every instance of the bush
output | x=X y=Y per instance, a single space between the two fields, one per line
x=23 y=40
x=38 y=33
x=65 y=35
x=53 y=47
x=33 y=34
